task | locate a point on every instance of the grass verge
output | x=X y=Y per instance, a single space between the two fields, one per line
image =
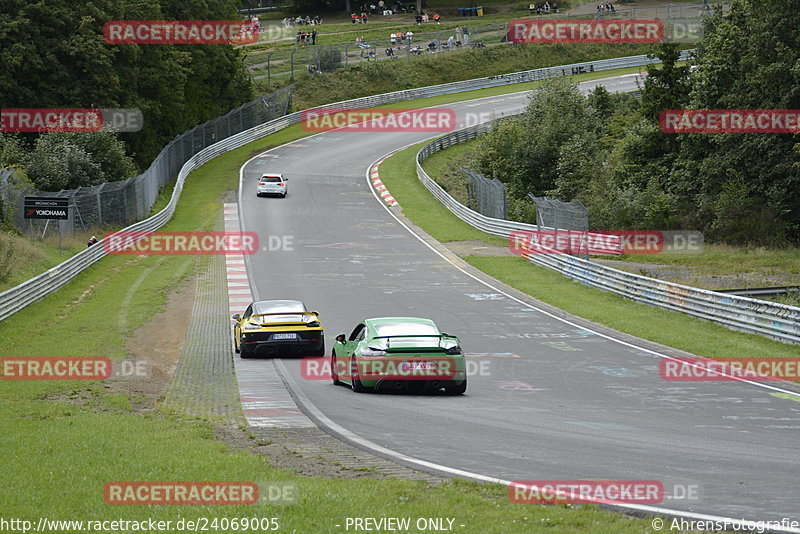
x=365 y=79
x=59 y=453
x=669 y=328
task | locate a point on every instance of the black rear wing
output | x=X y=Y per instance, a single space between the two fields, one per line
x=312 y=314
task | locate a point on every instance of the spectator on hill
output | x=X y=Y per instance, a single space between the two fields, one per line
x=393 y=39
x=547 y=8
x=437 y=19
x=410 y=36
x=532 y=8
x=92 y=241
x=555 y=7
x=364 y=18
x=314 y=37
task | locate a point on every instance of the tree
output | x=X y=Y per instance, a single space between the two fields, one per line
x=747 y=60
x=70 y=160
x=54 y=56
x=57 y=163
x=12 y=150
x=525 y=153
x=666 y=85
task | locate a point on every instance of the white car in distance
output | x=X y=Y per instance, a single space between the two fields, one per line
x=272 y=184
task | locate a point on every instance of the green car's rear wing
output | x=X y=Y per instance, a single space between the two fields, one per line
x=448 y=350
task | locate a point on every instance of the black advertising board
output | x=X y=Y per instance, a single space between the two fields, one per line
x=46 y=208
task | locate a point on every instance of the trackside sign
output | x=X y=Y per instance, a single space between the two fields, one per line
x=46 y=208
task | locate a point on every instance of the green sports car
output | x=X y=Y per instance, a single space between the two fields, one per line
x=399 y=354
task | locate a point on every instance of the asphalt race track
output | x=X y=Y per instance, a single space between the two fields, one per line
x=556 y=401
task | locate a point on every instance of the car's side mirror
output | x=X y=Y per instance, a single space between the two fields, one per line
x=341 y=338
x=236 y=317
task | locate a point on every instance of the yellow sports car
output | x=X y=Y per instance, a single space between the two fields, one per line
x=278 y=328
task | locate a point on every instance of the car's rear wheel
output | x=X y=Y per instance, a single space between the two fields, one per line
x=283 y=195
x=355 y=381
x=244 y=352
x=457 y=390
x=334 y=374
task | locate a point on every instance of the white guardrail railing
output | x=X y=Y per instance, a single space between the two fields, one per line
x=777 y=321
x=40 y=286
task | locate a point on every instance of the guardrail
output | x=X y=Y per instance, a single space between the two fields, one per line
x=777 y=321
x=38 y=287
x=490 y=225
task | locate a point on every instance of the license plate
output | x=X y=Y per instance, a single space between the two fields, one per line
x=284 y=336
x=418 y=366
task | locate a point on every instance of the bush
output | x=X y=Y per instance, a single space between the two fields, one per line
x=56 y=163
x=328 y=58
x=70 y=160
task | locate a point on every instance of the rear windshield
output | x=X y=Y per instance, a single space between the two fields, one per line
x=406 y=329
x=280 y=309
x=271 y=179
